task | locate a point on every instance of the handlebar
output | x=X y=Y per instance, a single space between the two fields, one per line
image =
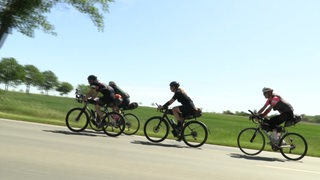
x=161 y=109
x=255 y=118
x=80 y=97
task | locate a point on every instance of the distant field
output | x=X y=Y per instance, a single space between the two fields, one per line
x=224 y=129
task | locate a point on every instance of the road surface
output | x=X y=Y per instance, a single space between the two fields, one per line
x=30 y=151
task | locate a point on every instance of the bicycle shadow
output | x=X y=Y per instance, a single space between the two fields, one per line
x=83 y=133
x=256 y=158
x=147 y=143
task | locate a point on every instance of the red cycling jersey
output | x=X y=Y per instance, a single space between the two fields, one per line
x=273 y=101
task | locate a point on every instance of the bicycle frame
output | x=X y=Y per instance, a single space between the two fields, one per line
x=166 y=118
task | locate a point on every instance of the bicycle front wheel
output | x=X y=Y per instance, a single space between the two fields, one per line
x=77 y=119
x=251 y=141
x=194 y=133
x=293 y=146
x=156 y=129
x=114 y=124
x=132 y=124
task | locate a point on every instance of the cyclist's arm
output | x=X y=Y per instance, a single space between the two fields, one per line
x=266 y=112
x=167 y=104
x=262 y=109
x=89 y=94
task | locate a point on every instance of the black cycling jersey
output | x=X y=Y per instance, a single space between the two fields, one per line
x=184 y=99
x=107 y=91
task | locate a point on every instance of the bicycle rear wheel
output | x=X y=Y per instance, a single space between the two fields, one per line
x=194 y=133
x=77 y=119
x=293 y=146
x=251 y=141
x=156 y=129
x=114 y=124
x=132 y=124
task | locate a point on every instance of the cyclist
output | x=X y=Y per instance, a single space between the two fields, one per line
x=276 y=103
x=108 y=96
x=125 y=97
x=187 y=108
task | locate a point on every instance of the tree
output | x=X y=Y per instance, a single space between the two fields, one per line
x=64 y=88
x=50 y=81
x=33 y=77
x=11 y=73
x=83 y=89
x=28 y=15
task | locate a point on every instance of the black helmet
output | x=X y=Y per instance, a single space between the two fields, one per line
x=92 y=77
x=112 y=83
x=174 y=84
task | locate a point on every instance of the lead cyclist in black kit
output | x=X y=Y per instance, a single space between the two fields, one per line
x=179 y=112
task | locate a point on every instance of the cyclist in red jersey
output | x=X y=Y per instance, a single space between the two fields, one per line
x=276 y=103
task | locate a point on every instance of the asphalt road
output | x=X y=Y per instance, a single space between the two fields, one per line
x=30 y=151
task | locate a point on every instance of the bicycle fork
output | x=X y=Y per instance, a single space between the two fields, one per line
x=80 y=114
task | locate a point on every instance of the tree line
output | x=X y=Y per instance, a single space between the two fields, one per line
x=13 y=74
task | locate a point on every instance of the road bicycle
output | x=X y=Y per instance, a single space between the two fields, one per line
x=194 y=133
x=78 y=119
x=292 y=146
x=132 y=122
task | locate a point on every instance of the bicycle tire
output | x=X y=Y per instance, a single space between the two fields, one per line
x=194 y=133
x=132 y=124
x=77 y=119
x=251 y=141
x=293 y=146
x=114 y=124
x=156 y=129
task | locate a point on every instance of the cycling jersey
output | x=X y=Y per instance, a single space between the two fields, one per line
x=107 y=91
x=279 y=104
x=184 y=99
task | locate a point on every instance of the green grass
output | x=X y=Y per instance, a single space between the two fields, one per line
x=224 y=129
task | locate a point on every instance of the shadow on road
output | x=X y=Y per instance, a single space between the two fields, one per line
x=257 y=158
x=84 y=133
x=158 y=144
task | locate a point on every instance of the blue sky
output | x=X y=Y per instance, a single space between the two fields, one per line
x=222 y=52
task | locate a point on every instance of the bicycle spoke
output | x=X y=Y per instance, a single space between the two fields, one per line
x=293 y=146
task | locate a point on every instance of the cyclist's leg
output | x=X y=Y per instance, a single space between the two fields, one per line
x=100 y=102
x=177 y=111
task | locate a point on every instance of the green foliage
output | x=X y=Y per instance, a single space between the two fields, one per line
x=33 y=76
x=64 y=88
x=50 y=81
x=28 y=15
x=11 y=73
x=83 y=89
x=224 y=129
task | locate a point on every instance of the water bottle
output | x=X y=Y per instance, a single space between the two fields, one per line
x=271 y=137
x=172 y=122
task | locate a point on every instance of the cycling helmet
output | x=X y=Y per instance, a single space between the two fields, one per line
x=92 y=77
x=265 y=90
x=112 y=83
x=174 y=84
